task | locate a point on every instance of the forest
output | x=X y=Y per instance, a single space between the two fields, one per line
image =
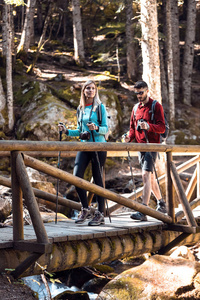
x=129 y=40
x=48 y=48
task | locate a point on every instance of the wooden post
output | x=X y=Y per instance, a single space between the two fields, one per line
x=17 y=202
x=169 y=188
x=46 y=196
x=182 y=197
x=30 y=200
x=191 y=186
x=193 y=204
x=173 y=243
x=198 y=178
x=19 y=270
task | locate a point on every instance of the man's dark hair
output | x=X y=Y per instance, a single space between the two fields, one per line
x=140 y=84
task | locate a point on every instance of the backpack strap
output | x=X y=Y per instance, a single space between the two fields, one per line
x=152 y=111
x=135 y=108
x=99 y=114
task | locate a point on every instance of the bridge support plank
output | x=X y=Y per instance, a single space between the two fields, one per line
x=182 y=197
x=191 y=186
x=174 y=243
x=65 y=176
x=30 y=200
x=17 y=201
x=25 y=264
x=169 y=188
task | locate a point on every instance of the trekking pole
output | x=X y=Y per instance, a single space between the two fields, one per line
x=145 y=133
x=99 y=166
x=130 y=165
x=57 y=189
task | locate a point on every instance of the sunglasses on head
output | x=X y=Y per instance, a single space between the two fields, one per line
x=139 y=93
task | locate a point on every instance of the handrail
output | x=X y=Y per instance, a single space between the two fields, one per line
x=12 y=145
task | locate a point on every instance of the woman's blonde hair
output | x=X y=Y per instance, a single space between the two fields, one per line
x=96 y=100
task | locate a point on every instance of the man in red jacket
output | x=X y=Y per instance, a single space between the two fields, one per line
x=143 y=130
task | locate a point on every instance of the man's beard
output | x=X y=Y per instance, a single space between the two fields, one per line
x=143 y=100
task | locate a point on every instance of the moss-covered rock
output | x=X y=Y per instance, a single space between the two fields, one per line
x=41 y=112
x=160 y=277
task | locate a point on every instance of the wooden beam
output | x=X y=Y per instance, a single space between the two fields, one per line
x=198 y=178
x=169 y=188
x=45 y=195
x=25 y=265
x=81 y=183
x=186 y=165
x=182 y=197
x=32 y=247
x=181 y=228
x=193 y=204
x=11 y=145
x=173 y=243
x=30 y=200
x=17 y=202
x=191 y=186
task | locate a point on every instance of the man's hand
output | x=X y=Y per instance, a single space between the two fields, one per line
x=144 y=125
x=125 y=138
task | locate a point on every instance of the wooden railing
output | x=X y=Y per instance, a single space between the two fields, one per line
x=23 y=154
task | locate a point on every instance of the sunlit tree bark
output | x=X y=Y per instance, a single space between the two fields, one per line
x=170 y=62
x=9 y=68
x=27 y=33
x=130 y=50
x=150 y=47
x=79 y=54
x=42 y=38
x=2 y=103
x=175 y=47
x=4 y=30
x=188 y=57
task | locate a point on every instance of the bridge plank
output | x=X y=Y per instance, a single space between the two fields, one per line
x=67 y=230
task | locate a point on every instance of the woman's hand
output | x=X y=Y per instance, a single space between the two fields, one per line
x=92 y=126
x=62 y=127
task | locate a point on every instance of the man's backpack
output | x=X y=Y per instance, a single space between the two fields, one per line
x=99 y=117
x=163 y=135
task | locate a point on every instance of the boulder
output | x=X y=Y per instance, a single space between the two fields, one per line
x=160 y=277
x=5 y=206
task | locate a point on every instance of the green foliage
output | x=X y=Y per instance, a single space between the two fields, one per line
x=15 y=2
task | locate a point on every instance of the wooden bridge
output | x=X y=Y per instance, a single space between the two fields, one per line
x=63 y=245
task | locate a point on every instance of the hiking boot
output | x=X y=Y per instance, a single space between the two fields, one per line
x=138 y=216
x=161 y=206
x=84 y=214
x=98 y=219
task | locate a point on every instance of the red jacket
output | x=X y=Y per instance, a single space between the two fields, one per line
x=156 y=127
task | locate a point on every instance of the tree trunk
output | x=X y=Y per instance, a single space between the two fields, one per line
x=79 y=54
x=176 y=49
x=41 y=41
x=4 y=30
x=150 y=47
x=163 y=74
x=170 y=63
x=9 y=69
x=39 y=17
x=188 y=57
x=130 y=51
x=2 y=103
x=27 y=33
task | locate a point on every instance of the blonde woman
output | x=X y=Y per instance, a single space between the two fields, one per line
x=90 y=130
